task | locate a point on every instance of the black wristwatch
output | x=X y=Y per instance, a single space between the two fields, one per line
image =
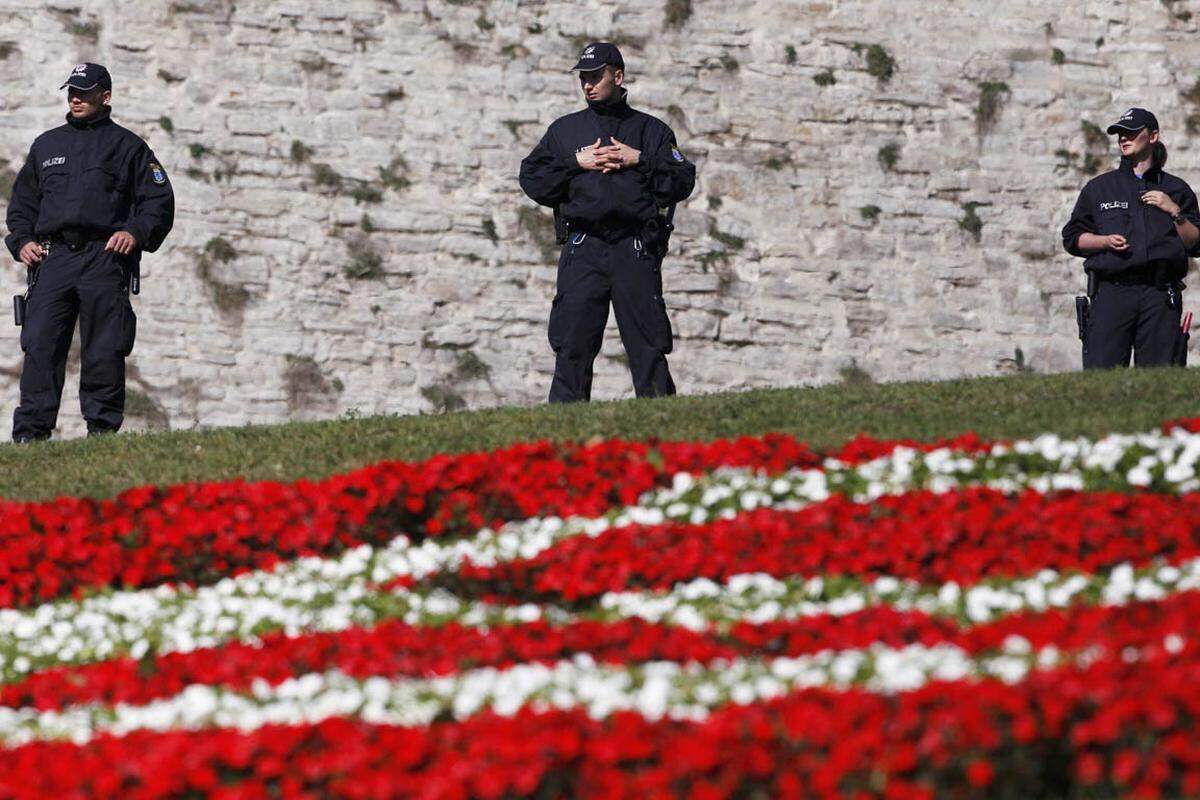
x=1179 y=218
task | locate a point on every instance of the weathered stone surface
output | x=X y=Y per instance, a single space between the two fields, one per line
x=361 y=157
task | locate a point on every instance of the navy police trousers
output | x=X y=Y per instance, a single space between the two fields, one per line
x=593 y=272
x=92 y=286
x=1131 y=317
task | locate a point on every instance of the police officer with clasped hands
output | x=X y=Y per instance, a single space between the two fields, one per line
x=609 y=171
x=1136 y=226
x=90 y=199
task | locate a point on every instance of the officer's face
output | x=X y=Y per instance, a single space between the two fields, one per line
x=600 y=84
x=1136 y=143
x=84 y=104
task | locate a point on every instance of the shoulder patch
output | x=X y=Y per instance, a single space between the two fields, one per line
x=675 y=154
x=157 y=174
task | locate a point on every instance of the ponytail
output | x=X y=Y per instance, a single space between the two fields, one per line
x=1160 y=155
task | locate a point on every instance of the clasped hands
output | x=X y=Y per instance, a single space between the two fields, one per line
x=610 y=158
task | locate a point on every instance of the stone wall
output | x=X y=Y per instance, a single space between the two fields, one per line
x=881 y=186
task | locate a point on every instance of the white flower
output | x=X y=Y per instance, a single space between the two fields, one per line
x=1139 y=476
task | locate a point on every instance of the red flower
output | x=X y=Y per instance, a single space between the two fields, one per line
x=980 y=773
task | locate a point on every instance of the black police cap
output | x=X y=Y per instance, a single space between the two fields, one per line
x=1134 y=120
x=598 y=54
x=86 y=77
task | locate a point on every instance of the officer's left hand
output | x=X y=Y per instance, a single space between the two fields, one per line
x=618 y=156
x=1161 y=201
x=122 y=242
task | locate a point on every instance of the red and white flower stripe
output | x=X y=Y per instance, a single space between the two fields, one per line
x=1062 y=726
x=962 y=536
x=394 y=649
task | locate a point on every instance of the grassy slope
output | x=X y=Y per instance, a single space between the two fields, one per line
x=1073 y=403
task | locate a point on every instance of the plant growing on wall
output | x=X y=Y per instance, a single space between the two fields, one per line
x=879 y=62
x=366 y=264
x=993 y=95
x=306 y=385
x=540 y=230
x=299 y=153
x=143 y=406
x=888 y=156
x=676 y=13
x=970 y=222
x=445 y=394
x=230 y=299
x=1096 y=146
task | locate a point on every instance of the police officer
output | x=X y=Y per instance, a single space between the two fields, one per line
x=90 y=199
x=1136 y=226
x=608 y=171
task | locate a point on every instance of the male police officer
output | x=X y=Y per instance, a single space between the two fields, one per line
x=608 y=171
x=1136 y=226
x=89 y=200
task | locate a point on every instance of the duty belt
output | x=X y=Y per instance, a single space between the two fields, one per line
x=606 y=231
x=1132 y=277
x=76 y=239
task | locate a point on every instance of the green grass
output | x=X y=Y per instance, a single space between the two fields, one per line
x=1024 y=405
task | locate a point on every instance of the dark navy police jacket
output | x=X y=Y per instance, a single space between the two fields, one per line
x=1111 y=203
x=92 y=177
x=551 y=176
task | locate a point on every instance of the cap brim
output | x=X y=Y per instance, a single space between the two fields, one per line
x=80 y=88
x=1114 y=128
x=588 y=67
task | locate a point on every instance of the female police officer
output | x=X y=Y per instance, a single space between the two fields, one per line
x=1136 y=226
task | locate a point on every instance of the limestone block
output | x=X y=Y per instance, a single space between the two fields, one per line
x=690 y=324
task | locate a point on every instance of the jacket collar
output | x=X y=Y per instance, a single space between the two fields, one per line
x=100 y=118
x=1153 y=174
x=616 y=107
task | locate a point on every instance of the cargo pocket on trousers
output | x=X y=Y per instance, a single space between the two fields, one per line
x=661 y=337
x=128 y=328
x=567 y=253
x=555 y=331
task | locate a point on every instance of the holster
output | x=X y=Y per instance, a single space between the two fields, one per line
x=21 y=301
x=1179 y=352
x=656 y=235
x=562 y=228
x=1083 y=306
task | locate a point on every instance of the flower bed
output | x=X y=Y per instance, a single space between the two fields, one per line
x=738 y=618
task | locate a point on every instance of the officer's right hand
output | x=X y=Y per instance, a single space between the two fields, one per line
x=587 y=157
x=32 y=254
x=1116 y=242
